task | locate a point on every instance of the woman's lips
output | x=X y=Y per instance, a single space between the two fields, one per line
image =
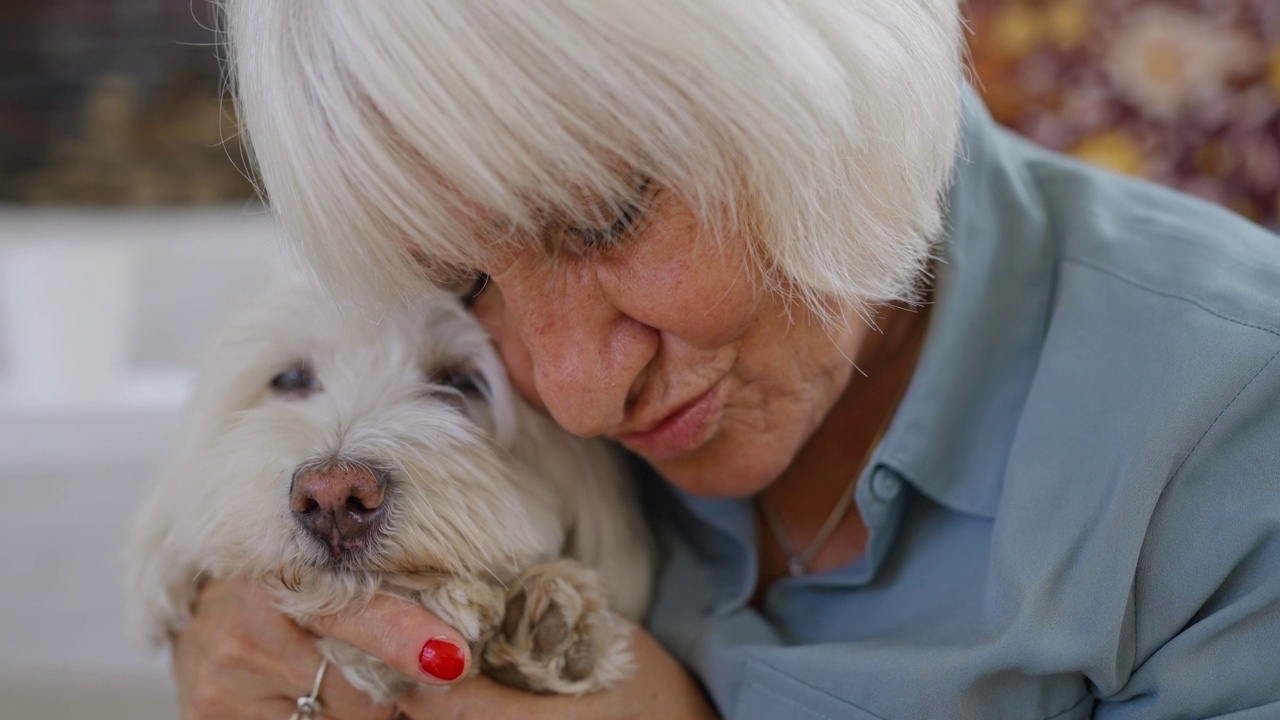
x=677 y=433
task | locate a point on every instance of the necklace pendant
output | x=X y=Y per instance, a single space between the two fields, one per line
x=797 y=567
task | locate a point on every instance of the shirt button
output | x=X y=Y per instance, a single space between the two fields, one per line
x=885 y=486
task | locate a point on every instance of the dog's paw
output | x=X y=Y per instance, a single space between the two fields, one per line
x=472 y=606
x=558 y=634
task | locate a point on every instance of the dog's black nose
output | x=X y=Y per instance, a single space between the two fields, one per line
x=339 y=504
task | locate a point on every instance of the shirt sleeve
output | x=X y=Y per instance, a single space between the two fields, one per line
x=1206 y=598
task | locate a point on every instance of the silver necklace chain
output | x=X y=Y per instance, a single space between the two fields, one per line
x=798 y=562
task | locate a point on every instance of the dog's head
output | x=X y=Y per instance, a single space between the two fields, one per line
x=324 y=444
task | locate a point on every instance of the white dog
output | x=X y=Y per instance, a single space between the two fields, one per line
x=332 y=457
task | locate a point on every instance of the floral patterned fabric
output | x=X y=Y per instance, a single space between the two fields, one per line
x=1184 y=92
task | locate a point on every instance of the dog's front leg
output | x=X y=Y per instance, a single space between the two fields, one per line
x=559 y=635
x=472 y=606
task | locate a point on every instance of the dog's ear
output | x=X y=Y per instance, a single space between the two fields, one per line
x=499 y=393
x=474 y=361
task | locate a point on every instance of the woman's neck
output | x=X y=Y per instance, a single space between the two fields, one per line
x=805 y=494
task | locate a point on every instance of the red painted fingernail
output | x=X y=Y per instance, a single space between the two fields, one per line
x=442 y=659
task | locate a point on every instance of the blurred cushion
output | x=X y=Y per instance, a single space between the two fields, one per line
x=1184 y=92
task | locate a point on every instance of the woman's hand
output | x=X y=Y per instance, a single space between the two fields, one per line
x=660 y=689
x=240 y=657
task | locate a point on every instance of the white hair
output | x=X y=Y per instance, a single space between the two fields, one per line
x=399 y=139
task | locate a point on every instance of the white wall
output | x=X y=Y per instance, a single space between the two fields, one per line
x=100 y=316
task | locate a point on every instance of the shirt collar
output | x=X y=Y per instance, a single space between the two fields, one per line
x=954 y=427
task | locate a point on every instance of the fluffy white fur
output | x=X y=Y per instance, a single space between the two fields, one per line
x=483 y=493
x=825 y=130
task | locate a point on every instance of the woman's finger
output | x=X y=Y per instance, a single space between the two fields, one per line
x=339 y=699
x=241 y=657
x=285 y=711
x=406 y=637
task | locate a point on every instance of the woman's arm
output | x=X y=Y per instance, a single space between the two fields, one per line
x=1206 y=600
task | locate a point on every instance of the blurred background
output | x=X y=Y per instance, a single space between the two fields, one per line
x=128 y=230
x=1183 y=92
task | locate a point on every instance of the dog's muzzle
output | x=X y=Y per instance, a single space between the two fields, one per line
x=340 y=505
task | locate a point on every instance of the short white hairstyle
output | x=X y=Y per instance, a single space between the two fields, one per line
x=399 y=139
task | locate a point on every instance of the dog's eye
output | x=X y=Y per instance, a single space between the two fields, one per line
x=297 y=380
x=458 y=379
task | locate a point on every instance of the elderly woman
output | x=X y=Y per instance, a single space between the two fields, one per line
x=934 y=423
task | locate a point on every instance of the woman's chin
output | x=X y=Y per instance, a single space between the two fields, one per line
x=721 y=470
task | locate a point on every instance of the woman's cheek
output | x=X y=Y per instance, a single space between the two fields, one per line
x=490 y=310
x=703 y=294
x=705 y=311
x=515 y=356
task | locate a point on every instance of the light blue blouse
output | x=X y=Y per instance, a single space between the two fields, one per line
x=1076 y=510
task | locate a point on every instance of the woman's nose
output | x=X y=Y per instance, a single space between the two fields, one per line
x=583 y=356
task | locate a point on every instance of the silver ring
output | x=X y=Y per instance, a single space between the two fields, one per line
x=309 y=705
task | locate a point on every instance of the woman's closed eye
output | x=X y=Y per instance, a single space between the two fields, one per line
x=475 y=290
x=616 y=222
x=627 y=215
